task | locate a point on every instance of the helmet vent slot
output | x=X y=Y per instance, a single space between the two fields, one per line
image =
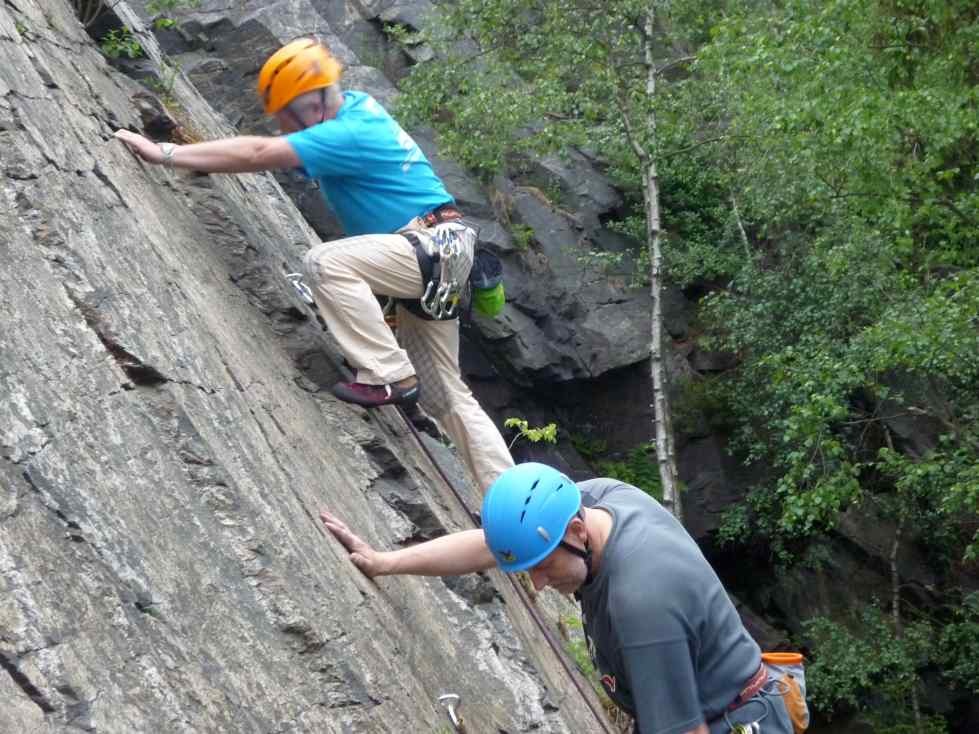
x=522 y=515
x=534 y=485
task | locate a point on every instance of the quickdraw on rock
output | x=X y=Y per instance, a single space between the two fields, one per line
x=301 y=288
x=450 y=702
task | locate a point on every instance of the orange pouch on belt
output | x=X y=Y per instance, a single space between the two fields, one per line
x=786 y=667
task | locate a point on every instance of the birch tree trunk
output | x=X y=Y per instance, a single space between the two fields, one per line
x=663 y=426
x=896 y=605
x=665 y=452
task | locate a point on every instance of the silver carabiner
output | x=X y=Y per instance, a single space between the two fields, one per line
x=449 y=300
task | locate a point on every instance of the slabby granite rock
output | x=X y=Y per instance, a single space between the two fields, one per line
x=164 y=449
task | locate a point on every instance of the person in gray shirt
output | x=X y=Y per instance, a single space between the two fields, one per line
x=666 y=638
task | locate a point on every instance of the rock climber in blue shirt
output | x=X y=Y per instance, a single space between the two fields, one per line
x=399 y=218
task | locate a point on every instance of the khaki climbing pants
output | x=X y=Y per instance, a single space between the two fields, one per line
x=344 y=276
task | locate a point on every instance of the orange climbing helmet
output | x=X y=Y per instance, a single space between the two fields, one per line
x=298 y=67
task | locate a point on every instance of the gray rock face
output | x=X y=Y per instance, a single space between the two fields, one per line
x=565 y=319
x=165 y=448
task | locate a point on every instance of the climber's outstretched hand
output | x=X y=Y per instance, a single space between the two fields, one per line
x=143 y=147
x=368 y=560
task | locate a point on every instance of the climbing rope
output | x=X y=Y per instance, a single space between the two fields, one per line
x=521 y=592
x=580 y=684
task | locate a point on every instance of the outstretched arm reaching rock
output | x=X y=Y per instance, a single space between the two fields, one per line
x=241 y=154
x=450 y=555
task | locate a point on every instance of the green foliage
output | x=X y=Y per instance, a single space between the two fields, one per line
x=818 y=169
x=163 y=85
x=165 y=9
x=549 y=75
x=523 y=236
x=850 y=670
x=959 y=646
x=547 y=433
x=577 y=649
x=589 y=447
x=735 y=525
x=700 y=405
x=849 y=137
x=120 y=42
x=638 y=468
x=870 y=669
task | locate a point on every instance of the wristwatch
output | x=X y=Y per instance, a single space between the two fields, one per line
x=168 y=149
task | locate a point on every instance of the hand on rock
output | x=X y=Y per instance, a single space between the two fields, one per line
x=362 y=555
x=142 y=147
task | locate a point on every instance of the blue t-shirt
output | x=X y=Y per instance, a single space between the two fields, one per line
x=373 y=175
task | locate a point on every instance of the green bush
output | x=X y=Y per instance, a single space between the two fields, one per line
x=868 y=668
x=959 y=646
x=120 y=42
x=638 y=468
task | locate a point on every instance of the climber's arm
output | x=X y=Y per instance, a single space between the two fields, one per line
x=451 y=555
x=242 y=154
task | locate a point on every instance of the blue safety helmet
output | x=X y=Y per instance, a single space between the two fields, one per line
x=526 y=512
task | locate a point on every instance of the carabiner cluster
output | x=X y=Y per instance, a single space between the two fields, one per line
x=441 y=297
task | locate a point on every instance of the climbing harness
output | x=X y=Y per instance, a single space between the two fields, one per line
x=440 y=215
x=445 y=249
x=441 y=297
x=767 y=684
x=445 y=256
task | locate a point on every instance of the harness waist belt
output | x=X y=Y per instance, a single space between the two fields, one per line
x=754 y=684
x=751 y=688
x=444 y=213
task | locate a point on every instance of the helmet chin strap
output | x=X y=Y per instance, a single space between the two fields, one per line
x=583 y=553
